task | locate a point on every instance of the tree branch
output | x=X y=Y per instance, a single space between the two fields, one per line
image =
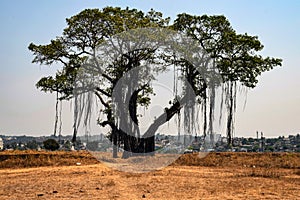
x=101 y=99
x=103 y=92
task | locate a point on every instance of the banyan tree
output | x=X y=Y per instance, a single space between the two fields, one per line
x=111 y=58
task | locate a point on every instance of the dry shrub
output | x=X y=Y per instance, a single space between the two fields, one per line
x=226 y=159
x=110 y=183
x=20 y=159
x=24 y=159
x=262 y=172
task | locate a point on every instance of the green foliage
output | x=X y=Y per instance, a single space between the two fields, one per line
x=235 y=54
x=92 y=146
x=269 y=148
x=51 y=144
x=32 y=145
x=255 y=148
x=84 y=32
x=67 y=145
x=190 y=147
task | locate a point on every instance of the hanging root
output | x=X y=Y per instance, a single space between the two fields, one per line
x=56 y=115
x=231 y=109
x=60 y=117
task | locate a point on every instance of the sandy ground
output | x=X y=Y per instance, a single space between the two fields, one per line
x=174 y=182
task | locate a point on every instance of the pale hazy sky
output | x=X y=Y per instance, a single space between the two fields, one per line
x=272 y=107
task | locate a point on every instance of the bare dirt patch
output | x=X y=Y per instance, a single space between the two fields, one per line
x=227 y=177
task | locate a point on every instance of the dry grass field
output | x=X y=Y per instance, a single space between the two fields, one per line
x=45 y=175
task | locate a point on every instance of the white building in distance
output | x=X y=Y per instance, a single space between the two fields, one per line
x=1 y=143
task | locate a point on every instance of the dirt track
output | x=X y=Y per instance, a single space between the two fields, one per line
x=174 y=182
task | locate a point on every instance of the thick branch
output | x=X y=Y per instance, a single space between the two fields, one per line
x=133 y=103
x=163 y=118
x=102 y=100
x=103 y=92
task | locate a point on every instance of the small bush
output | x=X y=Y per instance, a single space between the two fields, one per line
x=51 y=144
x=92 y=146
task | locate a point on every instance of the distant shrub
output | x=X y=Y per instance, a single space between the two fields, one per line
x=32 y=145
x=51 y=144
x=67 y=145
x=92 y=146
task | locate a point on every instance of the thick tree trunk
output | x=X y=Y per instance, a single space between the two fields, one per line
x=146 y=145
x=150 y=146
x=74 y=134
x=133 y=145
x=127 y=151
x=149 y=136
x=115 y=143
